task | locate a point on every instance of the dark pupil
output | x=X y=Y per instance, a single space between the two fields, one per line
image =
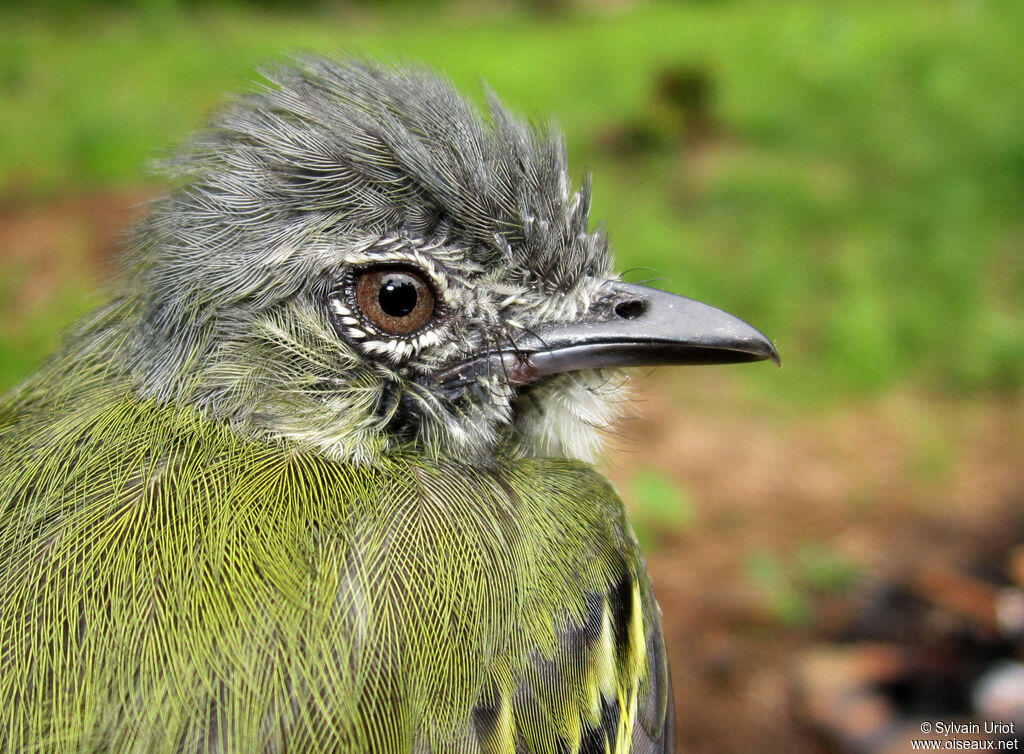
x=397 y=296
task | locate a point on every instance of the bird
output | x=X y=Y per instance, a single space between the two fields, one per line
x=320 y=475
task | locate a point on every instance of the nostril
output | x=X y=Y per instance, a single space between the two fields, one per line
x=630 y=309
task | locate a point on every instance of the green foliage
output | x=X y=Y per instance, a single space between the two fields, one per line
x=27 y=338
x=658 y=505
x=848 y=176
x=824 y=571
x=788 y=587
x=783 y=599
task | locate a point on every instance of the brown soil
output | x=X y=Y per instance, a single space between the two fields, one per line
x=883 y=484
x=887 y=485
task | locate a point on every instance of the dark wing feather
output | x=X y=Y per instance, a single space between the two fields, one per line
x=606 y=689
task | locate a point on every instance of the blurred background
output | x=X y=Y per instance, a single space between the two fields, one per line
x=836 y=544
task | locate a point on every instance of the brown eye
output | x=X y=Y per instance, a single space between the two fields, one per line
x=396 y=300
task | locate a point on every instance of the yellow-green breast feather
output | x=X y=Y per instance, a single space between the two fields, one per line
x=168 y=586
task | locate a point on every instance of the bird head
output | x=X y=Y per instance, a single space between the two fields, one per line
x=358 y=261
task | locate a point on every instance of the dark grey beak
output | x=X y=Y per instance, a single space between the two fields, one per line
x=630 y=325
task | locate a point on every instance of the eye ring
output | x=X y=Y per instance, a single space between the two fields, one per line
x=396 y=300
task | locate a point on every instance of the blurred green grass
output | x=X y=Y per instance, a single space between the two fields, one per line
x=659 y=505
x=850 y=177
